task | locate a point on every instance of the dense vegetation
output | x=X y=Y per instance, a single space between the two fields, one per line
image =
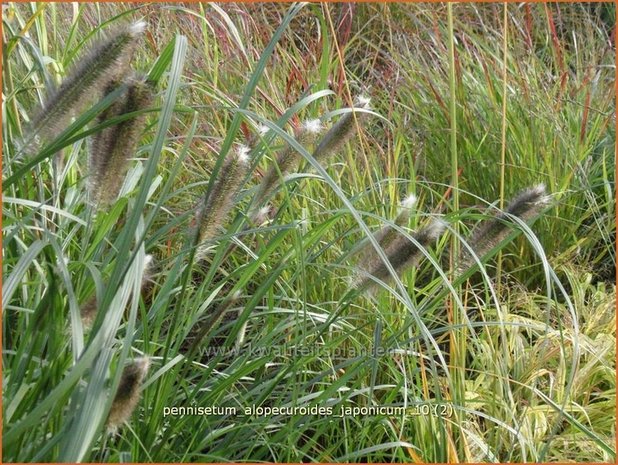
x=237 y=259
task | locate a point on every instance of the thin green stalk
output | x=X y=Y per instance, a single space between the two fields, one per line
x=453 y=119
x=458 y=338
x=503 y=133
x=495 y=384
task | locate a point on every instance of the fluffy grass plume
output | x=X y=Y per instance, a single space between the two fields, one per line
x=527 y=205
x=386 y=235
x=105 y=62
x=401 y=253
x=128 y=393
x=112 y=148
x=286 y=161
x=220 y=202
x=100 y=143
x=342 y=131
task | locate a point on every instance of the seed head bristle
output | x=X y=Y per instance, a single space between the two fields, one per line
x=242 y=152
x=405 y=210
x=363 y=102
x=306 y=134
x=409 y=201
x=262 y=129
x=262 y=215
x=313 y=126
x=137 y=27
x=147 y=273
x=435 y=229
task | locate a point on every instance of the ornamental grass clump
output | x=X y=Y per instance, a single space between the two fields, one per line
x=113 y=147
x=128 y=393
x=106 y=62
x=527 y=205
x=217 y=206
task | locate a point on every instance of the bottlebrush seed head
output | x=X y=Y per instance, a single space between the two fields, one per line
x=105 y=62
x=402 y=254
x=527 y=205
x=341 y=132
x=220 y=202
x=387 y=235
x=113 y=147
x=128 y=393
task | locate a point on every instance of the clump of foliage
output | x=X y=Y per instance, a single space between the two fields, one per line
x=187 y=225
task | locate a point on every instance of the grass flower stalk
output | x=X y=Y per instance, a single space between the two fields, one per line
x=113 y=147
x=342 y=131
x=527 y=205
x=286 y=161
x=128 y=393
x=217 y=206
x=107 y=61
x=402 y=254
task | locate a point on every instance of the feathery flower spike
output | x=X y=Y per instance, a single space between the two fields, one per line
x=218 y=205
x=527 y=205
x=286 y=161
x=385 y=236
x=128 y=393
x=105 y=62
x=342 y=131
x=112 y=148
x=402 y=254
